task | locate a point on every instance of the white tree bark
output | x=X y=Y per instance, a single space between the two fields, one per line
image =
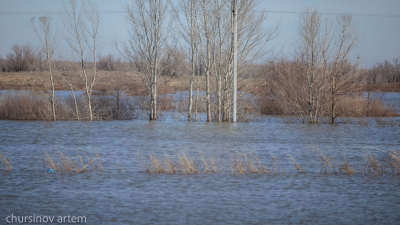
x=45 y=37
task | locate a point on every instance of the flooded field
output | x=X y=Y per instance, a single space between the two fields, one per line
x=124 y=193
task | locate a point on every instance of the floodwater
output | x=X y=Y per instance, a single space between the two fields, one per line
x=129 y=195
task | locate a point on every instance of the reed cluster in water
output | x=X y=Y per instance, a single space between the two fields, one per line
x=78 y=164
x=250 y=163
x=6 y=162
x=237 y=163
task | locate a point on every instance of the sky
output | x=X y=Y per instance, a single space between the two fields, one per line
x=378 y=21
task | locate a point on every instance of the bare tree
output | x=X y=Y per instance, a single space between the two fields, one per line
x=253 y=38
x=147 y=49
x=215 y=46
x=82 y=25
x=206 y=27
x=313 y=49
x=347 y=37
x=66 y=72
x=320 y=78
x=189 y=34
x=46 y=37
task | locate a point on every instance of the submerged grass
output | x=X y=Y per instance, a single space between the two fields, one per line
x=250 y=163
x=299 y=168
x=6 y=162
x=63 y=163
x=241 y=163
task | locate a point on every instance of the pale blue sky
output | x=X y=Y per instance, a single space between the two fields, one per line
x=380 y=42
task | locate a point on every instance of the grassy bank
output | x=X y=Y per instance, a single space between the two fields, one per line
x=106 y=80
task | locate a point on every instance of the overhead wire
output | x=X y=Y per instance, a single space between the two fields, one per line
x=266 y=11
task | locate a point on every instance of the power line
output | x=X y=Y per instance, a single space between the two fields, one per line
x=266 y=11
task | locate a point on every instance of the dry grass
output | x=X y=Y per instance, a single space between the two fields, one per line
x=6 y=162
x=347 y=168
x=299 y=168
x=276 y=165
x=246 y=163
x=373 y=165
x=327 y=163
x=237 y=163
x=63 y=163
x=187 y=164
x=249 y=163
x=394 y=162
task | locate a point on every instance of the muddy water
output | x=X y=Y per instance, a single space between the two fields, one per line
x=132 y=196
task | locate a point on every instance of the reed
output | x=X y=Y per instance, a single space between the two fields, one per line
x=171 y=166
x=207 y=168
x=155 y=166
x=99 y=167
x=373 y=165
x=247 y=163
x=240 y=163
x=6 y=162
x=326 y=163
x=394 y=162
x=276 y=165
x=261 y=168
x=188 y=165
x=63 y=163
x=347 y=168
x=299 y=168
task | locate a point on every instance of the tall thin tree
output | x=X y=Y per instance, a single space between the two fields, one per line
x=47 y=39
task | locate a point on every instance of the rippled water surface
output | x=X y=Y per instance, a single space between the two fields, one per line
x=132 y=196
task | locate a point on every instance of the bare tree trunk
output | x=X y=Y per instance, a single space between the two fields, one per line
x=192 y=60
x=52 y=90
x=368 y=99
x=84 y=31
x=118 y=108
x=76 y=104
x=333 y=92
x=219 y=97
x=197 y=100
x=348 y=37
x=207 y=61
x=45 y=22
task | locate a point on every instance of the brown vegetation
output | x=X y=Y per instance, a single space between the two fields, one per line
x=6 y=162
x=285 y=93
x=78 y=164
x=30 y=106
x=249 y=163
x=241 y=163
x=36 y=105
x=23 y=58
x=106 y=80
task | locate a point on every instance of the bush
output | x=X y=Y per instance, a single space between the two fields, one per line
x=23 y=58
